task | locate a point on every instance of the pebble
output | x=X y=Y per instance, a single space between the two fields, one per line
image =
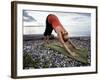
x=48 y=58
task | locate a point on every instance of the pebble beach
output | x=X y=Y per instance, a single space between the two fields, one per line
x=35 y=56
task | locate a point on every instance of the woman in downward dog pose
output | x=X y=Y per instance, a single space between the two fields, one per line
x=52 y=22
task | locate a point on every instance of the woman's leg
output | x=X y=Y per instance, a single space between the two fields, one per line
x=48 y=31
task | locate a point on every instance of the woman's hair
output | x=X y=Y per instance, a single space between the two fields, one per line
x=65 y=36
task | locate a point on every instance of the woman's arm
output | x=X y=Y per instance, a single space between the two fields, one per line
x=62 y=42
x=72 y=43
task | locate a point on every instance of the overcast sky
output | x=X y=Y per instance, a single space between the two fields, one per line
x=77 y=24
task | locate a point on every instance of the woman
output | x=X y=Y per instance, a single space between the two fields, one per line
x=52 y=22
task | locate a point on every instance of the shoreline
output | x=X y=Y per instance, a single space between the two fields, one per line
x=40 y=36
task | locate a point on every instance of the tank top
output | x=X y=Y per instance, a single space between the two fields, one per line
x=52 y=19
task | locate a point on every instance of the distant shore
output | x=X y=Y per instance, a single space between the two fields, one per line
x=40 y=36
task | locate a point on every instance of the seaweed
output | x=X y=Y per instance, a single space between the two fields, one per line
x=82 y=52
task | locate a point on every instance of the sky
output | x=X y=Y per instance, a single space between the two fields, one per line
x=77 y=24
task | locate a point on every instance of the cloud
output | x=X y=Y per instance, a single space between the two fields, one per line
x=82 y=17
x=27 y=17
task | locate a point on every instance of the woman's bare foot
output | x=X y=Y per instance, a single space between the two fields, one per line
x=46 y=42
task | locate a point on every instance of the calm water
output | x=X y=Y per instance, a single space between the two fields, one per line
x=40 y=30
